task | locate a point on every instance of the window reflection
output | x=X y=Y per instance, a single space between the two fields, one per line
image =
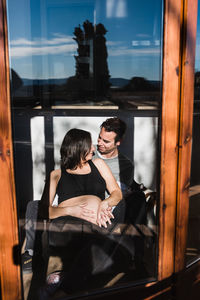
x=103 y=56
x=45 y=54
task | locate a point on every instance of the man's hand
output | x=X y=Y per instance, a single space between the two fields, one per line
x=104 y=214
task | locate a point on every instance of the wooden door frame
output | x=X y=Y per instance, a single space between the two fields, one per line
x=176 y=132
x=185 y=130
x=180 y=23
x=169 y=136
x=9 y=241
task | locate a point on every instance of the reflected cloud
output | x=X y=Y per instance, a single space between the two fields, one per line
x=58 y=39
x=134 y=52
x=57 y=45
x=116 y=9
x=112 y=43
x=145 y=43
x=62 y=44
x=143 y=35
x=144 y=47
x=29 y=51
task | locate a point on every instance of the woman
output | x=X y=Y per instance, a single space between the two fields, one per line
x=81 y=183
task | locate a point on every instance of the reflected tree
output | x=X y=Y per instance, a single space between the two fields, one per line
x=92 y=75
x=16 y=81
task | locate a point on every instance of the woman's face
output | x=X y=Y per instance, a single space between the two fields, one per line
x=90 y=153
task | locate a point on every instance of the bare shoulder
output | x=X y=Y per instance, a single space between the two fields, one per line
x=99 y=162
x=104 y=170
x=56 y=174
x=101 y=165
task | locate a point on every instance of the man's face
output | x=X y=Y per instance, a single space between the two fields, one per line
x=106 y=141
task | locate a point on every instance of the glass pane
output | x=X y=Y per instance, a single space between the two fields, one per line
x=75 y=64
x=91 y=52
x=193 y=242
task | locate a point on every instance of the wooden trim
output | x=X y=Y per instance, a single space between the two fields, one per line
x=9 y=268
x=186 y=120
x=170 y=144
x=169 y=136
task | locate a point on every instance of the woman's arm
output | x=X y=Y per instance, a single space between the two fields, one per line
x=54 y=211
x=111 y=184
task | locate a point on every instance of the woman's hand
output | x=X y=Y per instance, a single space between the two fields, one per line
x=81 y=211
x=104 y=214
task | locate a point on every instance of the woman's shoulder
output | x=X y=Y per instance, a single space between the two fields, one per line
x=99 y=162
x=102 y=167
x=55 y=174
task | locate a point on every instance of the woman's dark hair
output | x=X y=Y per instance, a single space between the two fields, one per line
x=75 y=147
x=116 y=125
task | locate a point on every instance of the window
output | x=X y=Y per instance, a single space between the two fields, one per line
x=86 y=53
x=73 y=64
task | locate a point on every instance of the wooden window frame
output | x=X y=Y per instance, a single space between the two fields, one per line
x=180 y=18
x=9 y=240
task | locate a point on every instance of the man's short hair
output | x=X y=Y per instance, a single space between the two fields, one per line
x=116 y=125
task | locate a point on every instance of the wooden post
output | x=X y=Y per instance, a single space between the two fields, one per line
x=185 y=135
x=9 y=267
x=169 y=136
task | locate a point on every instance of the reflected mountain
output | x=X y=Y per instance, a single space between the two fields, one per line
x=127 y=94
x=59 y=81
x=137 y=93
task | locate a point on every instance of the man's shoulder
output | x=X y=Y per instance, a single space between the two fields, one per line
x=125 y=159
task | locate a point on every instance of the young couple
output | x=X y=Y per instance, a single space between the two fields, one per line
x=85 y=175
x=82 y=181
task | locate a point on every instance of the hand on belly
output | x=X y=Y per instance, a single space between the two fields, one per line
x=84 y=207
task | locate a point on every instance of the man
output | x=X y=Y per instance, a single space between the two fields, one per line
x=132 y=207
x=111 y=134
x=110 y=137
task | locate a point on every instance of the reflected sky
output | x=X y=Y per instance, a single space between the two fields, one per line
x=41 y=36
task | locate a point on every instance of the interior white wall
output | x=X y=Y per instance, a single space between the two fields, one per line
x=38 y=156
x=145 y=150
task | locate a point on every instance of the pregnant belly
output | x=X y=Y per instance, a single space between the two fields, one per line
x=89 y=202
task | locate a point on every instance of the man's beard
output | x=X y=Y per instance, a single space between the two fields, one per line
x=106 y=151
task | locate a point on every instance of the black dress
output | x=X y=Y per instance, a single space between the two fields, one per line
x=86 y=250
x=73 y=185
